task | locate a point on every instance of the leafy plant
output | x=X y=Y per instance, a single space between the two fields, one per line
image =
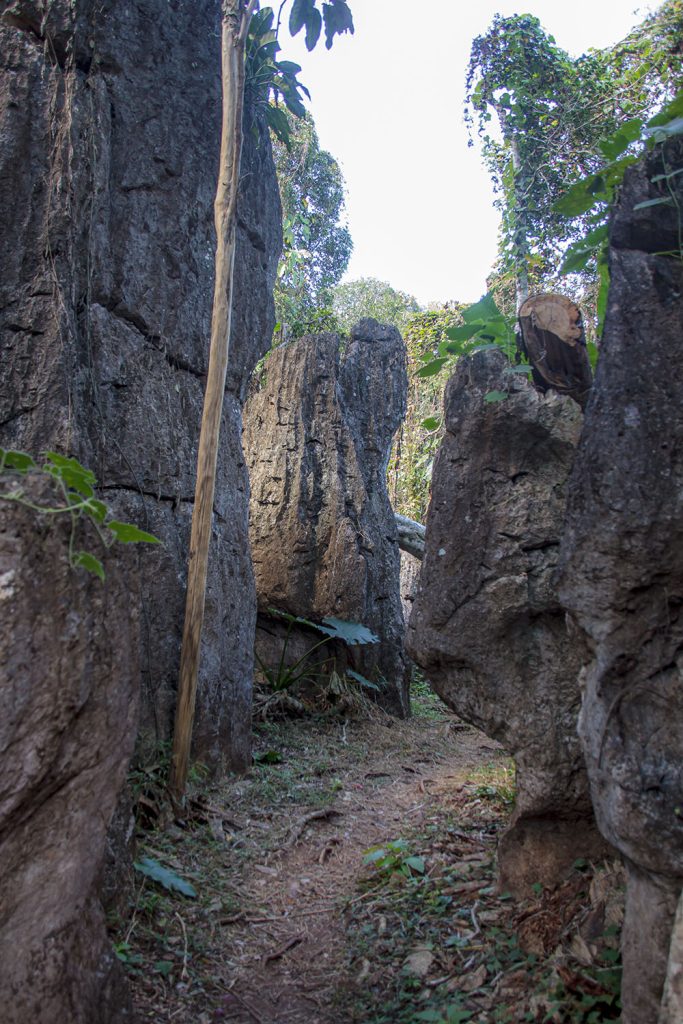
x=595 y=194
x=283 y=677
x=164 y=876
x=268 y=80
x=484 y=328
x=394 y=858
x=336 y=18
x=76 y=485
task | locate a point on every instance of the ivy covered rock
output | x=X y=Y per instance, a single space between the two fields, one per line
x=622 y=577
x=487 y=628
x=323 y=536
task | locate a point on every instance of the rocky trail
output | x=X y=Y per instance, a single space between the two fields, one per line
x=351 y=877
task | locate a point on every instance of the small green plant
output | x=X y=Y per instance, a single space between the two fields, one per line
x=424 y=702
x=131 y=960
x=452 y=1014
x=394 y=858
x=76 y=485
x=485 y=328
x=496 y=781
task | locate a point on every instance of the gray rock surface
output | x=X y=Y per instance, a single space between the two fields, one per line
x=487 y=628
x=410 y=578
x=323 y=537
x=109 y=131
x=622 y=573
x=69 y=687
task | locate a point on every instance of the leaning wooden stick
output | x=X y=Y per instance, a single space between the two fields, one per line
x=234 y=32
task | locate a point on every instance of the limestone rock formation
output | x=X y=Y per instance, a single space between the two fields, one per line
x=323 y=537
x=110 y=121
x=487 y=627
x=622 y=574
x=410 y=578
x=69 y=686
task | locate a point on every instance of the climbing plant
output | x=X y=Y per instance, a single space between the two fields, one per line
x=543 y=120
x=522 y=83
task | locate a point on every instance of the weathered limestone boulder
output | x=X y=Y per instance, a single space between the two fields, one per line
x=487 y=627
x=622 y=578
x=109 y=123
x=410 y=578
x=323 y=537
x=69 y=686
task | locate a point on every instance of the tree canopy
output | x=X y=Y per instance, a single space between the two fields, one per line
x=371 y=297
x=317 y=244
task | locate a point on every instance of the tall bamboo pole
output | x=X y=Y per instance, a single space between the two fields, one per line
x=233 y=38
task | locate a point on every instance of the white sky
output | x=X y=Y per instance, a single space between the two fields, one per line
x=387 y=103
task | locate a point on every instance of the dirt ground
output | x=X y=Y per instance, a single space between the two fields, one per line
x=351 y=878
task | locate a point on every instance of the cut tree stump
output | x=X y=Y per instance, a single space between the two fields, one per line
x=553 y=340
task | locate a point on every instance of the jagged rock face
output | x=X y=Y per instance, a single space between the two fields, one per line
x=110 y=121
x=323 y=536
x=487 y=627
x=69 y=686
x=622 y=574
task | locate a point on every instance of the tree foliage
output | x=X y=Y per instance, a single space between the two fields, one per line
x=336 y=18
x=415 y=446
x=543 y=120
x=317 y=244
x=370 y=297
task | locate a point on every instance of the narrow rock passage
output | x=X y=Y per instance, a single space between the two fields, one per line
x=266 y=939
x=291 y=925
x=294 y=965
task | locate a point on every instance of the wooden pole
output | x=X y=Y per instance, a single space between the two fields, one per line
x=234 y=32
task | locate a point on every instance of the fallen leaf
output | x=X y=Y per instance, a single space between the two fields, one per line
x=474 y=980
x=418 y=962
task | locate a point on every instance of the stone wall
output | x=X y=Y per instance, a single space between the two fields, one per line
x=109 y=120
x=622 y=578
x=323 y=536
x=69 y=687
x=487 y=627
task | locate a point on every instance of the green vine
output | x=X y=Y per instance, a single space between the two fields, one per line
x=595 y=194
x=76 y=486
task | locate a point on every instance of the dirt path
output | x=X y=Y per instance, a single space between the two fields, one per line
x=294 y=961
x=290 y=926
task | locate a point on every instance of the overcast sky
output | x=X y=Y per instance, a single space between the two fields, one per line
x=387 y=103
